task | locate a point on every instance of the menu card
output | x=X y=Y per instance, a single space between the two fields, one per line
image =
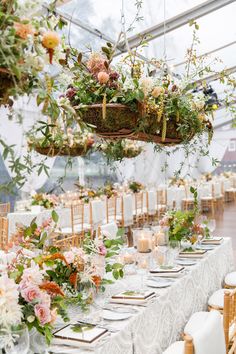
x=166 y=269
x=135 y=295
x=80 y=332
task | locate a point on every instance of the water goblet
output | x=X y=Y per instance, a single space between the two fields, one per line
x=211 y=225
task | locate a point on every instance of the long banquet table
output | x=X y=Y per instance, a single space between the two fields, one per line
x=154 y=327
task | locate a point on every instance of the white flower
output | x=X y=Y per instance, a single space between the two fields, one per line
x=32 y=275
x=146 y=84
x=10 y=310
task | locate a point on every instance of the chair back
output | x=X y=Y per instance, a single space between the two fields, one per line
x=138 y=200
x=5 y=209
x=208 y=338
x=77 y=216
x=108 y=230
x=126 y=210
x=229 y=320
x=3 y=232
x=97 y=213
x=161 y=196
x=111 y=209
x=65 y=242
x=151 y=199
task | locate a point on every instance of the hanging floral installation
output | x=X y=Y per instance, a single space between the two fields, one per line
x=117 y=150
x=25 y=39
x=92 y=94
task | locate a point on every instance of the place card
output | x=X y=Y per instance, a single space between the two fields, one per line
x=166 y=269
x=80 y=332
x=134 y=295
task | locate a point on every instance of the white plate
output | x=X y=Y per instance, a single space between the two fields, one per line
x=115 y=316
x=186 y=262
x=159 y=283
x=207 y=247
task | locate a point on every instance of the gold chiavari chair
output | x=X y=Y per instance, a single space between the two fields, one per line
x=3 y=232
x=73 y=234
x=161 y=203
x=139 y=209
x=5 y=209
x=65 y=241
x=218 y=199
x=111 y=209
x=226 y=305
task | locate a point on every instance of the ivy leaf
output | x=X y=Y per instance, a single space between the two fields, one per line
x=55 y=216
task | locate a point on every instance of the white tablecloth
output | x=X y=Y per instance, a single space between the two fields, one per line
x=25 y=218
x=153 y=328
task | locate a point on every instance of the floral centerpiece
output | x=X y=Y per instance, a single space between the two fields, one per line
x=86 y=194
x=48 y=201
x=108 y=190
x=135 y=187
x=117 y=150
x=42 y=281
x=25 y=40
x=184 y=225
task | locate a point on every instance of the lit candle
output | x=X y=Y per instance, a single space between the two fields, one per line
x=128 y=258
x=143 y=245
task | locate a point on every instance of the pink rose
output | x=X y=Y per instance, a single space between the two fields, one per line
x=103 y=77
x=69 y=256
x=102 y=250
x=31 y=293
x=43 y=313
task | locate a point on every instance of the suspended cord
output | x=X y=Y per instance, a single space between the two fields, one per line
x=164 y=34
x=123 y=28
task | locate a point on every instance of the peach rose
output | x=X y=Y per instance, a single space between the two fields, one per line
x=103 y=77
x=43 y=313
x=157 y=91
x=23 y=30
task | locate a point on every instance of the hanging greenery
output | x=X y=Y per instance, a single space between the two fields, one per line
x=24 y=40
x=117 y=150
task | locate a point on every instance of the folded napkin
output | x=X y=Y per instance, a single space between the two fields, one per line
x=131 y=299
x=212 y=241
x=160 y=270
x=193 y=254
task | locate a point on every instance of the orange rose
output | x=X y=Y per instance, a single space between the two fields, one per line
x=103 y=77
x=23 y=30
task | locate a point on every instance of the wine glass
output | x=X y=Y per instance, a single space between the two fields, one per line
x=143 y=266
x=211 y=225
x=20 y=342
x=173 y=252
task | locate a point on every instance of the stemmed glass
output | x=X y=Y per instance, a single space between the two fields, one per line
x=211 y=225
x=173 y=252
x=20 y=343
x=143 y=266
